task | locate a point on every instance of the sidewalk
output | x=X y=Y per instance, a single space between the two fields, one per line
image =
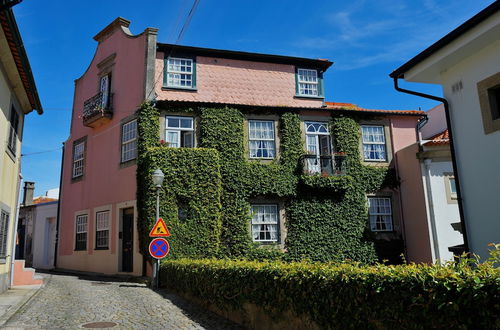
x=14 y=298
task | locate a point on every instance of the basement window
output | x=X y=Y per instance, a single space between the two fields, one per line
x=265 y=223
x=380 y=213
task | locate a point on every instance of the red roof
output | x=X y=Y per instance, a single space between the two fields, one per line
x=442 y=138
x=43 y=199
x=354 y=107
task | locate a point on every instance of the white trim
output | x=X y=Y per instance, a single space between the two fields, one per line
x=276 y=224
x=302 y=85
x=128 y=130
x=250 y=138
x=389 y=225
x=78 y=163
x=374 y=143
x=174 y=77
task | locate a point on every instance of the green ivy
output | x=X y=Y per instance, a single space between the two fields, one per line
x=326 y=215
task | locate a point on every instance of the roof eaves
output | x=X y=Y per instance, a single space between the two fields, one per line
x=8 y=23
x=447 y=39
x=259 y=57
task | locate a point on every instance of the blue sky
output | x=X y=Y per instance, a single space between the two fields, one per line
x=366 y=40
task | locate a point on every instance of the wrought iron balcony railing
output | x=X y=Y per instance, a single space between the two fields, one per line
x=97 y=107
x=325 y=164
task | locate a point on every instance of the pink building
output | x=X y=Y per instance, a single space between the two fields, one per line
x=99 y=216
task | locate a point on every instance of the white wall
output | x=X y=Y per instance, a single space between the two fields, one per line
x=436 y=123
x=442 y=212
x=44 y=236
x=478 y=154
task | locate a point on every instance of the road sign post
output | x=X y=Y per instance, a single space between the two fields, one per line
x=158 y=246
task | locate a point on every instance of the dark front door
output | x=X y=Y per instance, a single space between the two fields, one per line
x=21 y=232
x=127 y=240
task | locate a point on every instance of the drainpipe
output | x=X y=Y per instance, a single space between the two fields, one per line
x=59 y=208
x=452 y=149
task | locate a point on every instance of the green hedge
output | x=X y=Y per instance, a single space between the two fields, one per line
x=347 y=295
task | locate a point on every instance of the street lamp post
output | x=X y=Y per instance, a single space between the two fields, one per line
x=158 y=177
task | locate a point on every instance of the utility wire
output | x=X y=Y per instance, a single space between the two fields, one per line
x=179 y=38
x=41 y=152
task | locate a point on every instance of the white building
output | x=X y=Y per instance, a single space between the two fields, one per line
x=37 y=229
x=439 y=186
x=466 y=62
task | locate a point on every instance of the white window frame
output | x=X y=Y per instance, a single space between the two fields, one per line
x=129 y=141
x=176 y=75
x=78 y=163
x=302 y=84
x=373 y=217
x=4 y=230
x=102 y=226
x=276 y=224
x=251 y=139
x=81 y=228
x=374 y=143
x=179 y=131
x=13 y=130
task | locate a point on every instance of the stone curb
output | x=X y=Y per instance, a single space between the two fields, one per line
x=24 y=300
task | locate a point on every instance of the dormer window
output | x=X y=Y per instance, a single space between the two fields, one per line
x=308 y=83
x=180 y=73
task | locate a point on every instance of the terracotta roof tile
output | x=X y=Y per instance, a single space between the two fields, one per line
x=354 y=107
x=442 y=138
x=43 y=199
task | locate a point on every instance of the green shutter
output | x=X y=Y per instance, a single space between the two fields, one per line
x=165 y=63
x=321 y=88
x=194 y=73
x=296 y=81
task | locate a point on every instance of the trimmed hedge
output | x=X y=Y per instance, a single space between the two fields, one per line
x=347 y=295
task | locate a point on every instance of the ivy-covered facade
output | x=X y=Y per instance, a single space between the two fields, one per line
x=257 y=164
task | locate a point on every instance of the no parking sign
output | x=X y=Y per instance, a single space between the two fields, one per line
x=159 y=248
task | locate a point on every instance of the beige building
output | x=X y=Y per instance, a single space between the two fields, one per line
x=18 y=97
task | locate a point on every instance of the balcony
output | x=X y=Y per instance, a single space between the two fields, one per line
x=326 y=165
x=98 y=110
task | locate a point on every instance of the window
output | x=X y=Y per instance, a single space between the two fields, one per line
x=308 y=83
x=261 y=139
x=494 y=98
x=180 y=132
x=450 y=188
x=104 y=84
x=374 y=143
x=129 y=141
x=4 y=228
x=319 y=147
x=81 y=232
x=78 y=159
x=13 y=133
x=180 y=72
x=380 y=213
x=265 y=223
x=489 y=100
x=102 y=230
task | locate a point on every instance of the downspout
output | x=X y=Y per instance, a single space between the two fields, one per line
x=59 y=208
x=452 y=149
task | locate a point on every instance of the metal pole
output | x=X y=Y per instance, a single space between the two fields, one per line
x=157 y=270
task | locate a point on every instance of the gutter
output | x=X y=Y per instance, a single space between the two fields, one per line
x=59 y=208
x=452 y=149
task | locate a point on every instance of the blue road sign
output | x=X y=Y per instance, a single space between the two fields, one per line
x=159 y=248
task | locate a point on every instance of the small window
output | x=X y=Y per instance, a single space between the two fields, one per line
x=179 y=132
x=261 y=139
x=129 y=141
x=78 y=159
x=450 y=188
x=102 y=230
x=265 y=224
x=494 y=98
x=104 y=86
x=380 y=213
x=374 y=143
x=14 y=130
x=81 y=232
x=180 y=73
x=4 y=228
x=308 y=83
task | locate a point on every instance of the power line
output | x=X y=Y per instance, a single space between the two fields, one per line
x=179 y=38
x=41 y=152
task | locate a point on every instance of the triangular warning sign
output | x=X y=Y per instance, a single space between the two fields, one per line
x=159 y=229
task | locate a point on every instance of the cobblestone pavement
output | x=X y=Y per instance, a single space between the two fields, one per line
x=69 y=302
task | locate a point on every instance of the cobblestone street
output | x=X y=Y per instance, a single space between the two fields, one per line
x=69 y=302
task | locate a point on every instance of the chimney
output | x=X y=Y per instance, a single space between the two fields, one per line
x=29 y=189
